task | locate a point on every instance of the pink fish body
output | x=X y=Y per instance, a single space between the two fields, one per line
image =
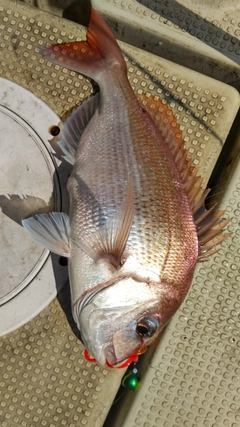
x=131 y=235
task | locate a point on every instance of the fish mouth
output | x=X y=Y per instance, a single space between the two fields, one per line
x=100 y=356
x=108 y=359
x=110 y=356
x=97 y=353
x=104 y=356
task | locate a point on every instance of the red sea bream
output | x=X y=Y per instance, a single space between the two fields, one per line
x=137 y=223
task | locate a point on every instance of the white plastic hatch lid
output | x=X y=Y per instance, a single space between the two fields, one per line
x=30 y=183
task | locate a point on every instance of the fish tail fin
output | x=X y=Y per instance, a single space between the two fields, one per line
x=87 y=57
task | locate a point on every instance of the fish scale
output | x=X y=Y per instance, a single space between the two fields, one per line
x=97 y=164
x=159 y=192
x=111 y=163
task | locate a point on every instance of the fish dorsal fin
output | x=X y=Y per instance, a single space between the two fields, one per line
x=74 y=127
x=109 y=241
x=209 y=223
x=169 y=128
x=51 y=231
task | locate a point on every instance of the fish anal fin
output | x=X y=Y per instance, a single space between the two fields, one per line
x=51 y=231
x=109 y=241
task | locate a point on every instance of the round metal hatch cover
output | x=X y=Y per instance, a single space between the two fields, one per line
x=30 y=183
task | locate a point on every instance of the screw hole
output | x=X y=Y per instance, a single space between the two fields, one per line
x=54 y=130
x=63 y=261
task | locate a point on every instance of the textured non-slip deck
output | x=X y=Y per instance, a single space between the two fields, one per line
x=193 y=378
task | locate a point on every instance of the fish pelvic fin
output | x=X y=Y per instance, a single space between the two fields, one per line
x=209 y=223
x=109 y=241
x=74 y=127
x=87 y=57
x=51 y=231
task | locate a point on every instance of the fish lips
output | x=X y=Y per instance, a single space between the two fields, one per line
x=112 y=341
x=105 y=343
x=116 y=353
x=107 y=352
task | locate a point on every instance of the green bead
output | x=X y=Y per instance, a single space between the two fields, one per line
x=131 y=380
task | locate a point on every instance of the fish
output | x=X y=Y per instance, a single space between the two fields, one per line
x=137 y=222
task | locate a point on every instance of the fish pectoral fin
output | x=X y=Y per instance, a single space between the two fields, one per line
x=110 y=240
x=74 y=127
x=51 y=231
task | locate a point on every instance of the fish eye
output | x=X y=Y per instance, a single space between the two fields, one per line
x=147 y=326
